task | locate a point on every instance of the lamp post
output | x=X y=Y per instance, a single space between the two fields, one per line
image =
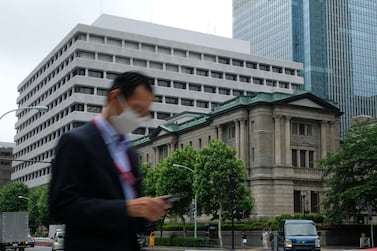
x=195 y=201
x=37 y=107
x=23 y=197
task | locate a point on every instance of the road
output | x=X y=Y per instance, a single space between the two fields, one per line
x=38 y=248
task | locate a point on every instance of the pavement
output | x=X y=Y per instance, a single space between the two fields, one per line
x=159 y=248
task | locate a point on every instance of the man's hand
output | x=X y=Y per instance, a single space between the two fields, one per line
x=148 y=207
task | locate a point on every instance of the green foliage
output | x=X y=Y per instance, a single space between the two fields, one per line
x=150 y=179
x=220 y=180
x=38 y=207
x=351 y=176
x=9 y=197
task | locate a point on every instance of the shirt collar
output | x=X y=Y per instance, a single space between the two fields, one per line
x=109 y=134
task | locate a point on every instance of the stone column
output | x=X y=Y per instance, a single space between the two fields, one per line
x=323 y=138
x=237 y=138
x=219 y=133
x=277 y=140
x=243 y=141
x=155 y=149
x=288 y=154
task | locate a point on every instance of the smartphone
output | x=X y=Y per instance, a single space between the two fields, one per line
x=172 y=199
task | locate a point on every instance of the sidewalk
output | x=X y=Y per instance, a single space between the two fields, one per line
x=160 y=248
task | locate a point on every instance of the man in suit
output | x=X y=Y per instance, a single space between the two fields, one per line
x=96 y=182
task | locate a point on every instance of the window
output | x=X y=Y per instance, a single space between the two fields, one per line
x=187 y=70
x=179 y=85
x=294 y=157
x=102 y=92
x=297 y=201
x=264 y=67
x=229 y=76
x=94 y=108
x=171 y=67
x=257 y=81
x=111 y=75
x=314 y=202
x=302 y=158
x=163 y=50
x=237 y=62
x=96 y=39
x=147 y=47
x=224 y=91
x=216 y=74
x=171 y=100
x=223 y=60
x=237 y=93
x=158 y=99
x=209 y=58
x=195 y=55
x=251 y=65
x=271 y=83
x=95 y=74
x=163 y=82
x=163 y=115
x=131 y=44
x=231 y=132
x=105 y=57
x=202 y=72
x=277 y=69
x=114 y=42
x=202 y=104
x=289 y=71
x=179 y=53
x=140 y=62
x=85 y=54
x=83 y=89
x=209 y=89
x=187 y=102
x=195 y=87
x=311 y=159
x=122 y=60
x=283 y=85
x=304 y=129
x=79 y=71
x=244 y=79
x=156 y=65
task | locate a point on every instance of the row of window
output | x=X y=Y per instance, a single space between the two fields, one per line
x=45 y=155
x=129 y=44
x=143 y=63
x=182 y=69
x=34 y=175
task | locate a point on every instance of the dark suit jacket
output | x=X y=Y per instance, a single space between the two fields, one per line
x=87 y=196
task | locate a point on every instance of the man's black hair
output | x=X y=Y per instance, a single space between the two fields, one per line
x=129 y=80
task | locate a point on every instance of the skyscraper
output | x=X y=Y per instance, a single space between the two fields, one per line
x=335 y=39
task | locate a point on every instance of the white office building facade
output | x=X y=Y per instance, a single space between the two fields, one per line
x=191 y=71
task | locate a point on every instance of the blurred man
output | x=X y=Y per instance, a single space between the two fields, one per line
x=96 y=182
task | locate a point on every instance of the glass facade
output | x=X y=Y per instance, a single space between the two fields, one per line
x=335 y=39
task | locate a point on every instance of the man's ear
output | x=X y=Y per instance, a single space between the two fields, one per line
x=113 y=95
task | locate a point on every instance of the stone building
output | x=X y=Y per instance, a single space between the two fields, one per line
x=6 y=149
x=278 y=137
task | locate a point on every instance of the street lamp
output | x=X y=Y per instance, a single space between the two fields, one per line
x=23 y=197
x=195 y=201
x=303 y=195
x=37 y=107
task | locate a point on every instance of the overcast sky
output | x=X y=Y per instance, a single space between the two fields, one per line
x=30 y=29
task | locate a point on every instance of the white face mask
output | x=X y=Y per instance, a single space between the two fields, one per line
x=127 y=121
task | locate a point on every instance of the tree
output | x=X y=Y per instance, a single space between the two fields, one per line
x=149 y=181
x=9 y=197
x=351 y=174
x=38 y=208
x=220 y=181
x=177 y=181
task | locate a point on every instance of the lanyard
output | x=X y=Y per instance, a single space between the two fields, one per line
x=127 y=176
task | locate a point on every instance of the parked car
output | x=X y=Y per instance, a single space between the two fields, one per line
x=58 y=240
x=30 y=241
